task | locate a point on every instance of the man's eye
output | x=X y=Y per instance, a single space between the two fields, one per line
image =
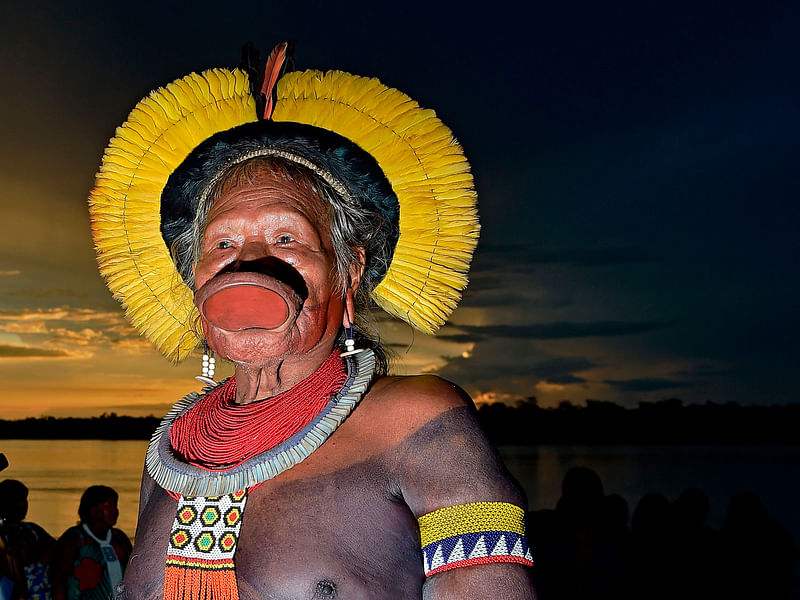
x=223 y=244
x=285 y=239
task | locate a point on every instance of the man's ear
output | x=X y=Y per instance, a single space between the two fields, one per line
x=347 y=315
x=356 y=271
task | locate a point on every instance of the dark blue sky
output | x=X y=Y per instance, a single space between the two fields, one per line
x=636 y=162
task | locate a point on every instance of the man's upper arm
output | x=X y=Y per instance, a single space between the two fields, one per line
x=448 y=461
x=146 y=490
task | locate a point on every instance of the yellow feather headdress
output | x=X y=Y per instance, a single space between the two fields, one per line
x=417 y=153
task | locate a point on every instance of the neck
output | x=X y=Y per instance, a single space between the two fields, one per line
x=100 y=531
x=276 y=375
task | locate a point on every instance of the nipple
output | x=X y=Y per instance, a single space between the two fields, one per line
x=325 y=589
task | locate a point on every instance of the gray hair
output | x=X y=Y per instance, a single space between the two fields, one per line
x=352 y=226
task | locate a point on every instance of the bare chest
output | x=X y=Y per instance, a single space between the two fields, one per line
x=338 y=535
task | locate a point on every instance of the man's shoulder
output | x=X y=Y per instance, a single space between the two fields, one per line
x=439 y=454
x=419 y=385
x=399 y=408
x=426 y=395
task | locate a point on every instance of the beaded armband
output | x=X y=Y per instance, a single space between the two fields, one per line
x=473 y=534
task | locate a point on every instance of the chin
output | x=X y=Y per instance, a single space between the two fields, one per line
x=251 y=346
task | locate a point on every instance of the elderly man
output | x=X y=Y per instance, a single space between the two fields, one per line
x=310 y=473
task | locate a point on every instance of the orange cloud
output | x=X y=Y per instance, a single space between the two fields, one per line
x=27 y=327
x=64 y=313
x=546 y=386
x=66 y=332
x=134 y=345
x=493 y=397
x=7 y=351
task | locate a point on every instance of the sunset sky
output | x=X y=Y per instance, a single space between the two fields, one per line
x=636 y=164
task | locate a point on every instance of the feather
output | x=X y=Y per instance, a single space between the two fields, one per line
x=272 y=71
x=124 y=204
x=428 y=172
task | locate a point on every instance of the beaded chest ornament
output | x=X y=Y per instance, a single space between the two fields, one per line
x=201 y=548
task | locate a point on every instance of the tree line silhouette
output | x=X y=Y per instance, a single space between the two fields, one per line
x=524 y=423
x=108 y=426
x=659 y=422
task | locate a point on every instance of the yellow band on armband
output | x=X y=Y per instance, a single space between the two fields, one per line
x=474 y=533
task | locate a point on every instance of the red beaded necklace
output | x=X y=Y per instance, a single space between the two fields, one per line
x=218 y=434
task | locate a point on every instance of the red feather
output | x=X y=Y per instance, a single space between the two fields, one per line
x=275 y=64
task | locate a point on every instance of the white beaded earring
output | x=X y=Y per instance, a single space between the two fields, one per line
x=208 y=366
x=349 y=342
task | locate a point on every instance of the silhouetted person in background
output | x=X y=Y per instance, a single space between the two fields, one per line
x=578 y=511
x=653 y=566
x=545 y=566
x=614 y=525
x=615 y=518
x=26 y=547
x=580 y=546
x=698 y=547
x=90 y=558
x=760 y=554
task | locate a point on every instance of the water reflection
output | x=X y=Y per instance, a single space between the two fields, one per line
x=58 y=471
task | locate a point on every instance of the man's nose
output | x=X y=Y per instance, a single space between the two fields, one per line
x=254 y=255
x=253 y=250
x=257 y=257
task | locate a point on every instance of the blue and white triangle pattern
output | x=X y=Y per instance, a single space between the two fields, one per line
x=476 y=548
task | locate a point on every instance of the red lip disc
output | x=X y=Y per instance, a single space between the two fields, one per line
x=245 y=306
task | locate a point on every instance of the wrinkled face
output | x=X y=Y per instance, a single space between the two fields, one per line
x=265 y=279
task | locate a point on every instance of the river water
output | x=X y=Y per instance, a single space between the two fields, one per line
x=57 y=472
